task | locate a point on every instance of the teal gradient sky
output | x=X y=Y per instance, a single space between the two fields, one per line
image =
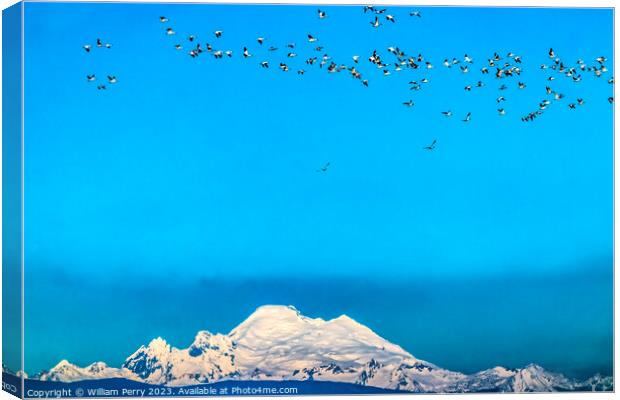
x=200 y=170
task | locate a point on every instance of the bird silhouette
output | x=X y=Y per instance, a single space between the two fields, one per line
x=431 y=146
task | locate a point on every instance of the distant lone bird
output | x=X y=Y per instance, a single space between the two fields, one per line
x=163 y=19
x=447 y=114
x=90 y=78
x=323 y=168
x=431 y=147
x=112 y=79
x=311 y=38
x=218 y=34
x=170 y=32
x=408 y=103
x=375 y=23
x=322 y=14
x=260 y=40
x=415 y=14
x=467 y=117
x=87 y=48
x=390 y=18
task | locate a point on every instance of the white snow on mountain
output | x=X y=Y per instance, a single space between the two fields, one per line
x=67 y=372
x=278 y=343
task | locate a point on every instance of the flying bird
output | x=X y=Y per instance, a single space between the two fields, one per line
x=431 y=147
x=163 y=19
x=322 y=14
x=323 y=168
x=112 y=79
x=467 y=117
x=218 y=34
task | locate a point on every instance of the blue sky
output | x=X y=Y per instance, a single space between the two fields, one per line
x=199 y=169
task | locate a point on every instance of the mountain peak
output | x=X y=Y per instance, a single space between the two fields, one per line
x=274 y=312
x=158 y=344
x=63 y=364
x=272 y=320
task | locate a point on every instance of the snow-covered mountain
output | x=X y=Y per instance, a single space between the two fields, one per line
x=278 y=343
x=64 y=371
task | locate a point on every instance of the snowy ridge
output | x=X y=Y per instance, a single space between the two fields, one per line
x=64 y=371
x=279 y=343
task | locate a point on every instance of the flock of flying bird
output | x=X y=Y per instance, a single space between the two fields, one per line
x=92 y=77
x=501 y=67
